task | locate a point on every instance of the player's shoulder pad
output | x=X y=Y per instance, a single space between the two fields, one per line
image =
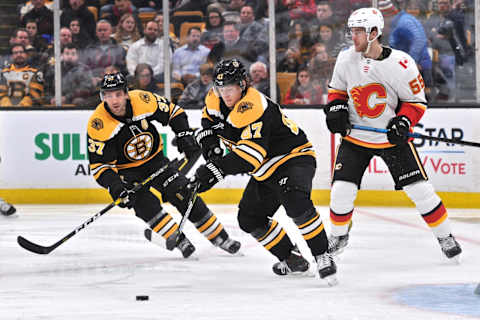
x=402 y=62
x=212 y=101
x=144 y=103
x=101 y=125
x=249 y=109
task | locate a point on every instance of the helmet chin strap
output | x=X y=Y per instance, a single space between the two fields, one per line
x=369 y=43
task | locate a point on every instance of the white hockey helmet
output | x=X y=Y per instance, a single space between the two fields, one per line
x=367 y=18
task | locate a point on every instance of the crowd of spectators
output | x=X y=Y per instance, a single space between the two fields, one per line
x=127 y=35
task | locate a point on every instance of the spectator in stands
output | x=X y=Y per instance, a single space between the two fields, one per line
x=333 y=40
x=28 y=6
x=104 y=52
x=213 y=28
x=37 y=41
x=324 y=16
x=20 y=84
x=143 y=79
x=321 y=66
x=259 y=78
x=187 y=59
x=77 y=84
x=78 y=10
x=299 y=37
x=42 y=15
x=233 y=46
x=174 y=42
x=147 y=5
x=114 y=12
x=127 y=31
x=253 y=32
x=291 y=61
x=445 y=31
x=406 y=33
x=232 y=10
x=80 y=37
x=194 y=94
x=303 y=92
x=301 y=9
x=148 y=49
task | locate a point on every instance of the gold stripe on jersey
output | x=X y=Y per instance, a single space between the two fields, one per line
x=22 y=69
x=417 y=159
x=273 y=236
x=312 y=227
x=250 y=152
x=98 y=168
x=368 y=144
x=101 y=125
x=269 y=166
x=248 y=109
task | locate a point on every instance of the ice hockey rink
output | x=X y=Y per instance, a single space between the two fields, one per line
x=392 y=269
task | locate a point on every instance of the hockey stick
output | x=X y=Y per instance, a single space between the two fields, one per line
x=36 y=248
x=420 y=136
x=172 y=240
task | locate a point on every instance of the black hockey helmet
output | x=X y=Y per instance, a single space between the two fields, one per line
x=229 y=71
x=113 y=81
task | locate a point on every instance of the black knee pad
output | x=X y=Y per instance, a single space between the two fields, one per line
x=248 y=221
x=296 y=200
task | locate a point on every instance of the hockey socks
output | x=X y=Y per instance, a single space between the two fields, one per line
x=213 y=230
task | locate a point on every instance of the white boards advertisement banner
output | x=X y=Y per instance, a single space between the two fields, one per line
x=48 y=149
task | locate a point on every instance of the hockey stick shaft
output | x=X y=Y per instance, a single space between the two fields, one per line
x=172 y=240
x=420 y=136
x=36 y=248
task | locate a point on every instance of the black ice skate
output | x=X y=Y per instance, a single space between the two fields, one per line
x=327 y=269
x=230 y=245
x=295 y=263
x=185 y=246
x=450 y=247
x=336 y=244
x=6 y=208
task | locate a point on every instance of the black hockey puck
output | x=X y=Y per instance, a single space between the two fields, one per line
x=142 y=298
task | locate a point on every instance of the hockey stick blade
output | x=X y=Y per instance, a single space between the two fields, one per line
x=172 y=240
x=32 y=247
x=35 y=248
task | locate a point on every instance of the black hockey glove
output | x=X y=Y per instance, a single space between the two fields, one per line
x=337 y=119
x=398 y=129
x=186 y=143
x=207 y=175
x=210 y=144
x=121 y=190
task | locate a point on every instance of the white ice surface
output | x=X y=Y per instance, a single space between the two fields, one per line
x=97 y=273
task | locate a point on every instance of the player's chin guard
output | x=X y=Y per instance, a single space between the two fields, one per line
x=113 y=82
x=229 y=72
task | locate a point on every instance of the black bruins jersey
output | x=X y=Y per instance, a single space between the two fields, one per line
x=257 y=132
x=116 y=144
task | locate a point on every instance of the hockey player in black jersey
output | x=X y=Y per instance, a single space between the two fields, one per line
x=124 y=148
x=277 y=154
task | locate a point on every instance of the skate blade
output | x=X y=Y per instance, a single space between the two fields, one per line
x=456 y=259
x=331 y=280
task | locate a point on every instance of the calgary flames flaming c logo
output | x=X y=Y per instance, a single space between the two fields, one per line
x=365 y=99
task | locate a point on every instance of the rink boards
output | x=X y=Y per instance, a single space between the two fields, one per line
x=44 y=159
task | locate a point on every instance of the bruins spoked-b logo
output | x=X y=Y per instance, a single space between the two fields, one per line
x=97 y=124
x=144 y=97
x=139 y=147
x=244 y=106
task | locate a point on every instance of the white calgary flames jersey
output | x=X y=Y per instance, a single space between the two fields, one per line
x=376 y=91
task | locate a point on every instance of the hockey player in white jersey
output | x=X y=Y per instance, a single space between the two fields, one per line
x=373 y=85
